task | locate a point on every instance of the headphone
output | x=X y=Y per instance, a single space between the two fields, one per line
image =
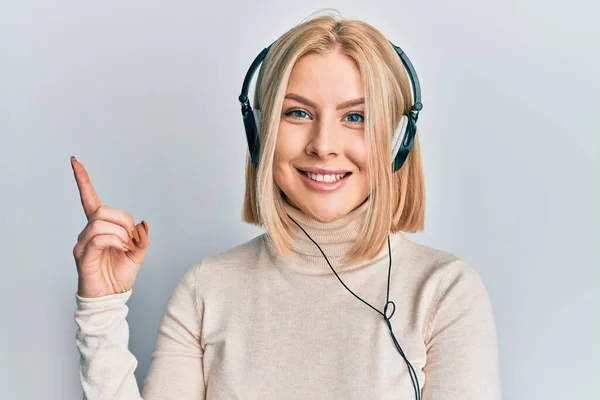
x=404 y=134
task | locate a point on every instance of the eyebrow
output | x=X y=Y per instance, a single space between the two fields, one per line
x=341 y=106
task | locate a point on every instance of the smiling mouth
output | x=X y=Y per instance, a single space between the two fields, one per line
x=325 y=178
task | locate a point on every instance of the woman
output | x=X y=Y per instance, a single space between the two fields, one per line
x=279 y=316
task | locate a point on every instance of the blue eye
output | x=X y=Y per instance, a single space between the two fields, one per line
x=354 y=119
x=297 y=114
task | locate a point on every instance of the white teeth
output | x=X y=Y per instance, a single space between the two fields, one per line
x=328 y=178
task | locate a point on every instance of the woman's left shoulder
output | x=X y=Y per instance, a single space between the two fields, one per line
x=434 y=265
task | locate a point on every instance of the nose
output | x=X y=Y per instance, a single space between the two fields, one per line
x=324 y=141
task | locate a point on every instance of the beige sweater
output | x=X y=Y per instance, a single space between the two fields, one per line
x=246 y=324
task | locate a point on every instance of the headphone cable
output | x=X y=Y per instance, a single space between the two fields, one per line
x=411 y=371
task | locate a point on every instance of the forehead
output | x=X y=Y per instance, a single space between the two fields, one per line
x=331 y=77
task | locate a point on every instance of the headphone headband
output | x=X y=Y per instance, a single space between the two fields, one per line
x=243 y=98
x=403 y=137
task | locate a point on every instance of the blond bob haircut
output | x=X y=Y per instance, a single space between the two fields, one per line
x=396 y=200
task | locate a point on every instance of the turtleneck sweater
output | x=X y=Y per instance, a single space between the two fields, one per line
x=250 y=324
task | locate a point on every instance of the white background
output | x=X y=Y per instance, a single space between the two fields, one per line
x=144 y=93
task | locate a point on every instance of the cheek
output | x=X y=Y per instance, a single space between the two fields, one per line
x=289 y=145
x=356 y=151
x=285 y=152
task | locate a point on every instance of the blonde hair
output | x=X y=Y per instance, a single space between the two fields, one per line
x=396 y=200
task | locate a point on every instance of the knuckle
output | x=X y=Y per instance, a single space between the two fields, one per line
x=124 y=233
x=96 y=241
x=98 y=211
x=95 y=226
x=101 y=211
x=130 y=219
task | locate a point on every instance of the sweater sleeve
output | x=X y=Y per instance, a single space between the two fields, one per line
x=107 y=366
x=462 y=352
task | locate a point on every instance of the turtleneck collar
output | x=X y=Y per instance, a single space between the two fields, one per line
x=335 y=238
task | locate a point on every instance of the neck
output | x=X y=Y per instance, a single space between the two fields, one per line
x=335 y=239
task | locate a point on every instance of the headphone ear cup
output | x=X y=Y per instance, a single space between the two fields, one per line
x=411 y=132
x=252 y=134
x=398 y=135
x=404 y=143
x=257 y=123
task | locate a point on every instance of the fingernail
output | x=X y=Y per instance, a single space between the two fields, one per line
x=73 y=160
x=145 y=225
x=126 y=246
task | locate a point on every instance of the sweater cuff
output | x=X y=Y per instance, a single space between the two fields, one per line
x=95 y=303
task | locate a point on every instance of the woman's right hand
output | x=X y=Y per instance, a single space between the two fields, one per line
x=111 y=248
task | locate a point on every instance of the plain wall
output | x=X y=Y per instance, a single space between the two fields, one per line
x=144 y=93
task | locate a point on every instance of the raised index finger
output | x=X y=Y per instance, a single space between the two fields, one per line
x=89 y=198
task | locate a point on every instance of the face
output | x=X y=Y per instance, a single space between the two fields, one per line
x=320 y=154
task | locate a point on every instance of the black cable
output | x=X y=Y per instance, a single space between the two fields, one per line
x=413 y=375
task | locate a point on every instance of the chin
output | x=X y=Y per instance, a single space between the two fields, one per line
x=322 y=212
x=323 y=206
